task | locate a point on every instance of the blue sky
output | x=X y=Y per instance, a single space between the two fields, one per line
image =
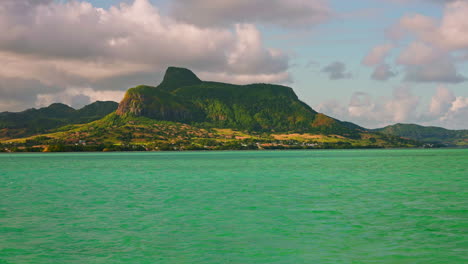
x=371 y=62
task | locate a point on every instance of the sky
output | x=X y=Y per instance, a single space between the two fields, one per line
x=371 y=62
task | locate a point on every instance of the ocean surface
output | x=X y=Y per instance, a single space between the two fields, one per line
x=337 y=206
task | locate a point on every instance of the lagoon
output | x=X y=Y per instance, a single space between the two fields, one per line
x=327 y=206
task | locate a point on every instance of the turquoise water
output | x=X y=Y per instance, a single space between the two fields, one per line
x=349 y=206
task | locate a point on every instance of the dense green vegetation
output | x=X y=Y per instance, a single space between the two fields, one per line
x=183 y=97
x=127 y=133
x=38 y=121
x=185 y=113
x=434 y=135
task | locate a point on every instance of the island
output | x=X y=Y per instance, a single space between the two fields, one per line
x=186 y=113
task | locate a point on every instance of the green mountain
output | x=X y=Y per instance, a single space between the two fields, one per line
x=36 y=121
x=183 y=97
x=430 y=134
x=186 y=113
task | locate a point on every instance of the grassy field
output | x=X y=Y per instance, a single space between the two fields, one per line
x=129 y=133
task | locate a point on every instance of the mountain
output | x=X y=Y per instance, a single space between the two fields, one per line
x=186 y=113
x=35 y=121
x=429 y=134
x=183 y=97
x=95 y=111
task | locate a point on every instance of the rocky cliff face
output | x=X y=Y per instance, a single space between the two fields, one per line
x=158 y=104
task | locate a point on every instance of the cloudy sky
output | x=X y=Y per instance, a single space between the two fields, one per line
x=373 y=62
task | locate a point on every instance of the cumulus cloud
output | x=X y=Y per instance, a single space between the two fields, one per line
x=441 y=102
x=360 y=104
x=336 y=71
x=426 y=63
x=402 y=106
x=377 y=55
x=286 y=13
x=15 y=92
x=443 y=71
x=430 y=56
x=376 y=58
x=78 y=97
x=448 y=110
x=383 y=72
x=134 y=33
x=372 y=112
x=439 y=2
x=456 y=116
x=434 y=48
x=418 y=53
x=246 y=78
x=74 y=44
x=248 y=56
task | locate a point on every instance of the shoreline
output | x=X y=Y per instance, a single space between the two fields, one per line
x=233 y=150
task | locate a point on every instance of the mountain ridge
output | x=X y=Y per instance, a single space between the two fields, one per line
x=427 y=134
x=183 y=97
x=186 y=113
x=34 y=121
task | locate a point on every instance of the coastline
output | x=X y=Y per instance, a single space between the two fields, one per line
x=237 y=150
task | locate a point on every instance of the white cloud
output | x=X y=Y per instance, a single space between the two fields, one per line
x=441 y=102
x=418 y=53
x=78 y=97
x=453 y=29
x=448 y=110
x=74 y=44
x=426 y=63
x=449 y=34
x=441 y=71
x=372 y=112
x=383 y=72
x=459 y=104
x=248 y=55
x=422 y=1
x=376 y=58
x=434 y=48
x=422 y=26
x=245 y=78
x=403 y=106
x=377 y=55
x=360 y=104
x=286 y=13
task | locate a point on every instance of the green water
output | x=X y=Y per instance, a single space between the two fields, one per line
x=349 y=206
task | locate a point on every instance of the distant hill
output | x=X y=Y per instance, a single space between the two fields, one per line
x=427 y=134
x=37 y=121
